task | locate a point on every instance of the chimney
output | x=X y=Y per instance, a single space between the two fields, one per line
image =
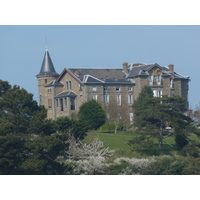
x=171 y=68
x=125 y=67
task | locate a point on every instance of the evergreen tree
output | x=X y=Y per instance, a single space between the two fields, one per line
x=27 y=145
x=152 y=115
x=92 y=114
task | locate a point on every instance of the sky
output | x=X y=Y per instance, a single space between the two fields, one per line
x=98 y=46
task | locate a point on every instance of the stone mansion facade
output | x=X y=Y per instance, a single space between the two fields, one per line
x=116 y=89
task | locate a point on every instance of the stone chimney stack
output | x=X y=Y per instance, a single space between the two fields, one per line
x=171 y=68
x=125 y=67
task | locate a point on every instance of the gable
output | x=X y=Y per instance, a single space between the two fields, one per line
x=65 y=72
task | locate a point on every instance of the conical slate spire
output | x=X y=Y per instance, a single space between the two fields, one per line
x=47 y=67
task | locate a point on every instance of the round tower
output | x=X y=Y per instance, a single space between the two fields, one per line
x=47 y=75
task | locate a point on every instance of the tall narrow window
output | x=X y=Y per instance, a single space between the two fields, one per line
x=131 y=117
x=67 y=83
x=171 y=82
x=45 y=80
x=130 y=99
x=65 y=101
x=40 y=98
x=57 y=103
x=118 y=99
x=61 y=105
x=106 y=88
x=150 y=78
x=72 y=101
x=70 y=85
x=94 y=96
x=106 y=99
x=158 y=79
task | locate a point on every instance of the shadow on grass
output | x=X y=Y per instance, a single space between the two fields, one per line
x=166 y=150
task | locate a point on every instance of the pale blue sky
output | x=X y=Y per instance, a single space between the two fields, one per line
x=22 y=49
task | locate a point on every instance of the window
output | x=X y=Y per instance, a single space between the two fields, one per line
x=49 y=103
x=94 y=96
x=45 y=80
x=49 y=91
x=70 y=85
x=65 y=101
x=106 y=88
x=130 y=99
x=61 y=105
x=171 y=82
x=56 y=102
x=150 y=78
x=130 y=88
x=158 y=79
x=106 y=99
x=118 y=89
x=40 y=98
x=118 y=99
x=67 y=83
x=131 y=117
x=157 y=93
x=94 y=88
x=72 y=101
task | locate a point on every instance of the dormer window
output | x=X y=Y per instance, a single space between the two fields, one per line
x=158 y=79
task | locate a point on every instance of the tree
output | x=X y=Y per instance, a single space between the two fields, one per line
x=89 y=159
x=17 y=108
x=117 y=116
x=152 y=115
x=92 y=114
x=71 y=126
x=27 y=145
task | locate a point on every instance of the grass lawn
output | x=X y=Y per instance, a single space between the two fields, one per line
x=118 y=142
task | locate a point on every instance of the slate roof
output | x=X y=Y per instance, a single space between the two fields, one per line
x=54 y=83
x=141 y=70
x=100 y=75
x=66 y=94
x=47 y=67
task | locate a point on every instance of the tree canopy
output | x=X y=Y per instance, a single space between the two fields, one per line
x=158 y=118
x=92 y=114
x=27 y=145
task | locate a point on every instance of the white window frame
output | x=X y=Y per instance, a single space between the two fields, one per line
x=118 y=99
x=106 y=98
x=94 y=88
x=171 y=82
x=130 y=99
x=157 y=93
x=130 y=88
x=150 y=78
x=94 y=96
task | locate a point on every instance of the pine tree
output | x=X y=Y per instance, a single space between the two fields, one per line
x=152 y=115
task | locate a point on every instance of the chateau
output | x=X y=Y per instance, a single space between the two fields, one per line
x=116 y=89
